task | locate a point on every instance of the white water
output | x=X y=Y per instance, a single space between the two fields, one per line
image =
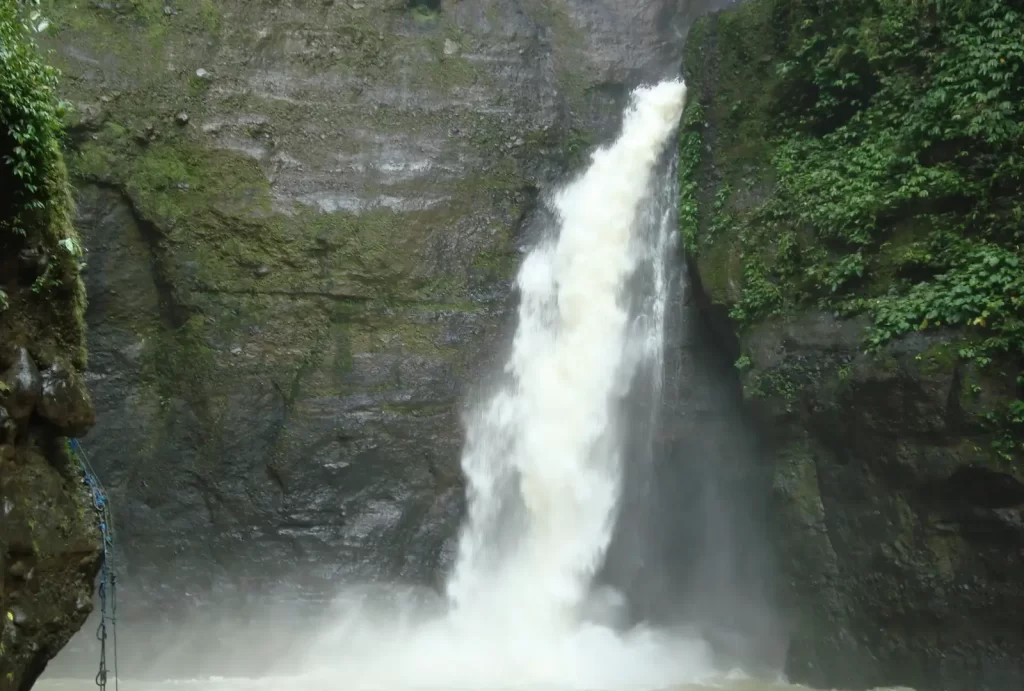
x=543 y=462
x=544 y=453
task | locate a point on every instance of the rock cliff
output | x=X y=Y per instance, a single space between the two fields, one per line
x=49 y=541
x=302 y=221
x=851 y=196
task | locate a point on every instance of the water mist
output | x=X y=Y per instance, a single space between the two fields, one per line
x=544 y=459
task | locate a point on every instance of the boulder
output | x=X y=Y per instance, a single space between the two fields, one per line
x=65 y=401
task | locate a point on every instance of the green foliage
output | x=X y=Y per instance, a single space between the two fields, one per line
x=1008 y=424
x=36 y=205
x=690 y=143
x=897 y=166
x=778 y=383
x=981 y=285
x=30 y=115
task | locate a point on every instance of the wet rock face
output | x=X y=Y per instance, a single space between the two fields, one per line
x=900 y=534
x=49 y=556
x=49 y=542
x=894 y=483
x=49 y=537
x=293 y=288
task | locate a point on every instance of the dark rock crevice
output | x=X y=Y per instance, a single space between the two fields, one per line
x=981 y=487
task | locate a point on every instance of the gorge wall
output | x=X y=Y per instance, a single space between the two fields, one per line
x=302 y=221
x=852 y=194
x=49 y=537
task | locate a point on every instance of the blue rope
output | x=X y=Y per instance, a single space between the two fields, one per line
x=108 y=578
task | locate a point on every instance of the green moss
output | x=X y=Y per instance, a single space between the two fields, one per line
x=173 y=175
x=379 y=334
x=342 y=354
x=939 y=359
x=502 y=262
x=569 y=43
x=179 y=361
x=721 y=271
x=422 y=14
x=566 y=147
x=210 y=16
x=208 y=217
x=172 y=179
x=214 y=206
x=446 y=71
x=886 y=363
x=359 y=45
x=797 y=480
x=148 y=18
x=733 y=51
x=736 y=51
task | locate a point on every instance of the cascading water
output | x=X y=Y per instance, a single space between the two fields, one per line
x=544 y=457
x=544 y=453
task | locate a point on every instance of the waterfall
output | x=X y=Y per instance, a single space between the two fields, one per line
x=545 y=460
x=543 y=457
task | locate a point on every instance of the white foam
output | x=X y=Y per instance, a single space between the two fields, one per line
x=544 y=467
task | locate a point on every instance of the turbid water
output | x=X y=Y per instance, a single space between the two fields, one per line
x=544 y=465
x=725 y=683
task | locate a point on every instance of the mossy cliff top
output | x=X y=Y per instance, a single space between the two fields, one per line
x=852 y=190
x=49 y=542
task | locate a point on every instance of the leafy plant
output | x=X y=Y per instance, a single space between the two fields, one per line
x=689 y=161
x=886 y=138
x=1008 y=424
x=30 y=114
x=898 y=169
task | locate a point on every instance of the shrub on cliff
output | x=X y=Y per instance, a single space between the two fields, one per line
x=30 y=115
x=884 y=138
x=41 y=251
x=895 y=133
